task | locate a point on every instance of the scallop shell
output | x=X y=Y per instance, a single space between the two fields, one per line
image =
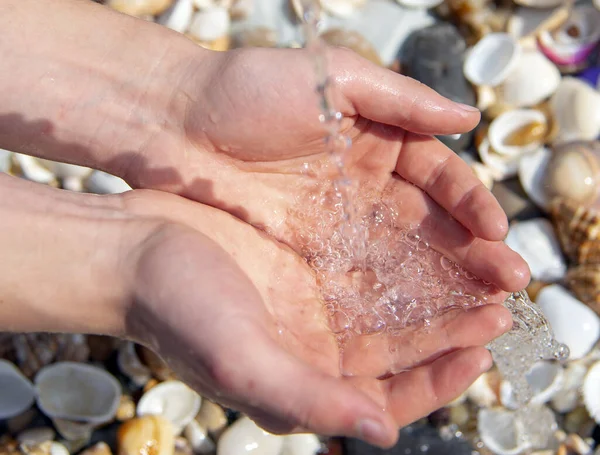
x=173 y=400
x=578 y=230
x=244 y=437
x=576 y=108
x=537 y=243
x=573 y=323
x=533 y=80
x=517 y=132
x=179 y=16
x=210 y=24
x=16 y=391
x=584 y=282
x=492 y=59
x=146 y=435
x=76 y=391
x=352 y=40
x=591 y=391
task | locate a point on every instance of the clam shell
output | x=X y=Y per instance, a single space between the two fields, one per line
x=301 y=444
x=172 y=400
x=146 y=435
x=210 y=24
x=591 y=391
x=179 y=16
x=525 y=128
x=16 y=391
x=573 y=323
x=578 y=230
x=76 y=391
x=531 y=170
x=245 y=437
x=352 y=40
x=342 y=8
x=492 y=59
x=537 y=243
x=576 y=108
x=533 y=79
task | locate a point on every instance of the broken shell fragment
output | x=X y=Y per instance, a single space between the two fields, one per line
x=78 y=392
x=140 y=7
x=245 y=437
x=354 y=41
x=172 y=400
x=126 y=409
x=16 y=391
x=32 y=169
x=492 y=59
x=501 y=166
x=210 y=24
x=146 y=435
x=499 y=432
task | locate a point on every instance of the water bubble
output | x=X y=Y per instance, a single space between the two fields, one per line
x=446 y=263
x=561 y=352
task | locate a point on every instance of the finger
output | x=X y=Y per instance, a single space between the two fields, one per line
x=377 y=356
x=419 y=392
x=283 y=394
x=388 y=97
x=443 y=175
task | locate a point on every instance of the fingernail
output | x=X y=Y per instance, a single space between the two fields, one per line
x=486 y=363
x=466 y=107
x=372 y=432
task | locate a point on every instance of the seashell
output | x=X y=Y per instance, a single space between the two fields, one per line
x=342 y=8
x=126 y=409
x=533 y=79
x=174 y=401
x=534 y=287
x=353 y=40
x=573 y=323
x=212 y=417
x=179 y=16
x=210 y=24
x=5 y=160
x=244 y=437
x=301 y=444
x=570 y=45
x=198 y=437
x=545 y=379
x=78 y=433
x=577 y=231
x=577 y=419
x=33 y=351
x=532 y=170
x=35 y=436
x=256 y=37
x=501 y=167
x=146 y=435
x=78 y=392
x=220 y=44
x=131 y=366
x=492 y=59
x=591 y=391
x=31 y=169
x=65 y=170
x=537 y=243
x=16 y=391
x=567 y=399
x=576 y=108
x=241 y=9
x=576 y=444
x=158 y=366
x=584 y=282
x=485 y=391
x=100 y=448
x=182 y=446
x=540 y=3
x=140 y=7
x=486 y=97
x=525 y=23
x=499 y=431
x=518 y=132
x=102 y=183
x=421 y=4
x=45 y=448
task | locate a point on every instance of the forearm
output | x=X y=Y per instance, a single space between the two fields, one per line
x=83 y=84
x=66 y=260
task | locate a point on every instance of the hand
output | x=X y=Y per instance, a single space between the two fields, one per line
x=239 y=318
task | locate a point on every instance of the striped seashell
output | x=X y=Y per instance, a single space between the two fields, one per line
x=584 y=282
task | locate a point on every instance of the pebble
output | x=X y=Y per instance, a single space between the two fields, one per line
x=147 y=435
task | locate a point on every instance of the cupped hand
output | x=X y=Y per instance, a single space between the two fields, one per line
x=250 y=143
x=239 y=317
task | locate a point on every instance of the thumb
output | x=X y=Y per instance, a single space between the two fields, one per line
x=384 y=96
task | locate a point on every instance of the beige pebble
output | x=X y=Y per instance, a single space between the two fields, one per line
x=212 y=417
x=140 y=7
x=126 y=409
x=148 y=435
x=101 y=448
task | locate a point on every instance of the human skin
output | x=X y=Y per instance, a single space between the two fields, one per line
x=230 y=131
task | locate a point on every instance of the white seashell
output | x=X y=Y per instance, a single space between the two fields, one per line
x=534 y=79
x=526 y=21
x=198 y=438
x=204 y=4
x=5 y=160
x=56 y=448
x=540 y=3
x=301 y=444
x=591 y=391
x=172 y=400
x=35 y=436
x=537 y=243
x=245 y=437
x=179 y=16
x=341 y=8
x=64 y=170
x=573 y=323
x=569 y=396
x=486 y=97
x=33 y=170
x=131 y=366
x=532 y=169
x=421 y=4
x=576 y=107
x=492 y=59
x=545 y=379
x=499 y=431
x=501 y=167
x=508 y=123
x=77 y=391
x=16 y=391
x=483 y=392
x=210 y=24
x=102 y=183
